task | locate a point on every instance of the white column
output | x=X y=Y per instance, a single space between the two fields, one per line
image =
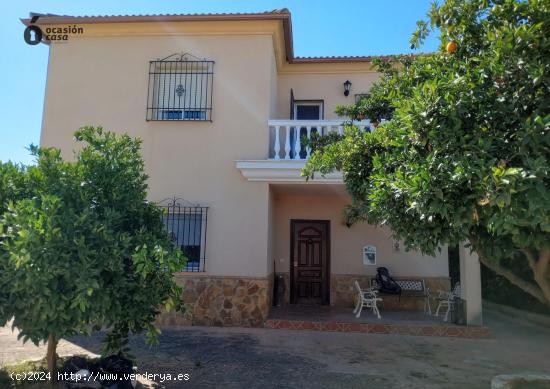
x=470 y=283
x=287 y=142
x=277 y=146
x=297 y=143
x=308 y=148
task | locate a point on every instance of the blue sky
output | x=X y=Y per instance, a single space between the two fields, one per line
x=320 y=27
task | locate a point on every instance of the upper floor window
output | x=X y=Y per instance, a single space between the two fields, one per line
x=180 y=88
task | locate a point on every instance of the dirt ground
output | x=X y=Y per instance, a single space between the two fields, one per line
x=263 y=358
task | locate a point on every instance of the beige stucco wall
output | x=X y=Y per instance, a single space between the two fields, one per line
x=346 y=244
x=273 y=87
x=103 y=81
x=321 y=86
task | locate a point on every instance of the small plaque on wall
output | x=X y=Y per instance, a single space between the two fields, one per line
x=396 y=246
x=369 y=255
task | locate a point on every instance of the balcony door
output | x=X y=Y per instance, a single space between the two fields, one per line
x=308 y=109
x=305 y=110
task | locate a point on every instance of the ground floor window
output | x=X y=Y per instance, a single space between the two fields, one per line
x=187 y=227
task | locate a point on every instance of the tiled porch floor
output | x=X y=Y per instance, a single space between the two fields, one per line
x=340 y=314
x=327 y=318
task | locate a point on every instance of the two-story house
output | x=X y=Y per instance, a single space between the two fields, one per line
x=222 y=105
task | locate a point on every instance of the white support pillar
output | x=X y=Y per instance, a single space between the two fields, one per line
x=470 y=283
x=277 y=145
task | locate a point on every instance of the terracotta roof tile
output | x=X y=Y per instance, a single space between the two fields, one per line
x=282 y=14
x=282 y=11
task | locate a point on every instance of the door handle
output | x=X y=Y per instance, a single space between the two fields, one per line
x=295 y=263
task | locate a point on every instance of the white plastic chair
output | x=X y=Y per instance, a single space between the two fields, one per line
x=366 y=298
x=427 y=305
x=446 y=299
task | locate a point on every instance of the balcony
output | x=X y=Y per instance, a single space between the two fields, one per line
x=288 y=152
x=284 y=142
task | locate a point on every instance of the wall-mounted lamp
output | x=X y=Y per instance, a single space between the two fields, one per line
x=347 y=87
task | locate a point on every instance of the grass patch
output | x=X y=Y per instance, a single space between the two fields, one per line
x=521 y=383
x=30 y=375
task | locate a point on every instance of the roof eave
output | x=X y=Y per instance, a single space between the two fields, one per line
x=283 y=15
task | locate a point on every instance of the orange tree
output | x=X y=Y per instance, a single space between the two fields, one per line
x=81 y=247
x=465 y=154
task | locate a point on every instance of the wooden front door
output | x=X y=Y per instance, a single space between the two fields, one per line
x=309 y=261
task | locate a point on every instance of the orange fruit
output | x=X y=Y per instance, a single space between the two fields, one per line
x=451 y=47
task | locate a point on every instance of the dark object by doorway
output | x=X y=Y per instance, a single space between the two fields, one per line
x=386 y=283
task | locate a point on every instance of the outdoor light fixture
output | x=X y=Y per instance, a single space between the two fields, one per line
x=347 y=86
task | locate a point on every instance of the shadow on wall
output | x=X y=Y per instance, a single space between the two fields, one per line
x=454 y=265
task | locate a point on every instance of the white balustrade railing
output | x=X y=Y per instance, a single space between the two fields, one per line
x=285 y=141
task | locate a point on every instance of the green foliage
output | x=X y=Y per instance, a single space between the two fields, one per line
x=466 y=154
x=376 y=106
x=81 y=247
x=25 y=369
x=12 y=184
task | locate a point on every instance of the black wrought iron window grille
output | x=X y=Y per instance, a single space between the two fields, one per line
x=180 y=88
x=360 y=96
x=187 y=226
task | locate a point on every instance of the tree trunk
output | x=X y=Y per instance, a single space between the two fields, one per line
x=540 y=267
x=526 y=286
x=536 y=290
x=544 y=283
x=51 y=357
